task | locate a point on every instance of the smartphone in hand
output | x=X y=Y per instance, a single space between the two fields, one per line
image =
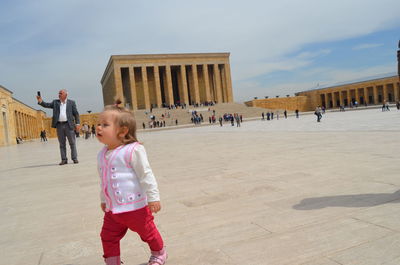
x=38 y=93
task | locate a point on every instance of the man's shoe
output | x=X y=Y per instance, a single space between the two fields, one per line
x=63 y=162
x=76 y=161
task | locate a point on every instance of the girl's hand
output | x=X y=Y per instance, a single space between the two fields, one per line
x=154 y=207
x=103 y=206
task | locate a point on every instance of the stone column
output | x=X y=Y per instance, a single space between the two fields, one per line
x=170 y=94
x=228 y=82
x=33 y=131
x=196 y=92
x=17 y=123
x=184 y=96
x=21 y=128
x=385 y=96
x=357 y=96
x=36 y=127
x=30 y=127
x=341 y=98
x=26 y=119
x=206 y=82
x=217 y=78
x=375 y=88
x=327 y=100
x=132 y=83
x=145 y=87
x=366 y=95
x=396 y=91
x=21 y=124
x=158 y=86
x=348 y=96
x=119 y=93
x=333 y=99
x=28 y=131
x=28 y=134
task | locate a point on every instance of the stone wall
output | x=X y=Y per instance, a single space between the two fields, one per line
x=289 y=103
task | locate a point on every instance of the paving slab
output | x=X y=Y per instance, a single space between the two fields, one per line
x=287 y=191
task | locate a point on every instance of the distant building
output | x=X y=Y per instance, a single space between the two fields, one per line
x=368 y=91
x=18 y=120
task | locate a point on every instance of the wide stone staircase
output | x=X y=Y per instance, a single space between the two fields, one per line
x=184 y=115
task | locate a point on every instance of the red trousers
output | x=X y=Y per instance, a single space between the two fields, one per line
x=115 y=227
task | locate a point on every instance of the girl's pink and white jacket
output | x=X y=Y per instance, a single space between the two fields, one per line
x=127 y=181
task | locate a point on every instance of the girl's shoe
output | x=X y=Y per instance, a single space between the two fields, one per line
x=158 y=257
x=116 y=260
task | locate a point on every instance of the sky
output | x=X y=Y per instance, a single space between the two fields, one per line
x=276 y=47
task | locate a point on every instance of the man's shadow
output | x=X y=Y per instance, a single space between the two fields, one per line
x=356 y=200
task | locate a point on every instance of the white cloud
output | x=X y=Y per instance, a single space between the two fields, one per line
x=367 y=46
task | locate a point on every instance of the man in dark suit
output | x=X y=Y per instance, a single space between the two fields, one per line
x=65 y=120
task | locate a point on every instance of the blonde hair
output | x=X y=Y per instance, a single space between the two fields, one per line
x=124 y=118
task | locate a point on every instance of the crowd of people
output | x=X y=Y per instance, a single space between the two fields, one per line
x=161 y=122
x=178 y=105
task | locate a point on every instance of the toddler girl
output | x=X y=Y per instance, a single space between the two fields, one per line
x=129 y=193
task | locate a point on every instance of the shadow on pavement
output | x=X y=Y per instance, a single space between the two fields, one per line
x=32 y=166
x=356 y=200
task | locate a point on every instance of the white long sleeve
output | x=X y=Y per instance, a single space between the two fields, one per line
x=141 y=166
x=102 y=197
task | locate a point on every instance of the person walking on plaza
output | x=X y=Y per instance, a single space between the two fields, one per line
x=43 y=136
x=129 y=191
x=387 y=106
x=86 y=130
x=318 y=113
x=297 y=113
x=65 y=120
x=93 y=129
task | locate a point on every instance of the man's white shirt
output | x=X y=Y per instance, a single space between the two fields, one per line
x=63 y=112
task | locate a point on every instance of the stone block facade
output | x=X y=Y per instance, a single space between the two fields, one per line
x=301 y=103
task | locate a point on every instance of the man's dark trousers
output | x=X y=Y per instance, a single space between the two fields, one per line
x=63 y=132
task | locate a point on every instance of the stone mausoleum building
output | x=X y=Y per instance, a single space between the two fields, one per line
x=159 y=80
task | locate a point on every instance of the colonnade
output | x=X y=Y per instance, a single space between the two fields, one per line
x=26 y=126
x=368 y=94
x=146 y=86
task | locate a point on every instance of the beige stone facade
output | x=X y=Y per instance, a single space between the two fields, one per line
x=157 y=80
x=18 y=119
x=375 y=91
x=370 y=92
x=289 y=103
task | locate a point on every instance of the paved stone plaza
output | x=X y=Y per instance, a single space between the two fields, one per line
x=271 y=192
